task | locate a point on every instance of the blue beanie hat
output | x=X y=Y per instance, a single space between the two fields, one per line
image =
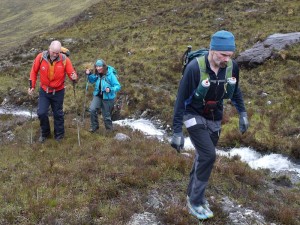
x=100 y=63
x=222 y=41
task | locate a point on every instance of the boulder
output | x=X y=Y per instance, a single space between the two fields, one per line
x=267 y=49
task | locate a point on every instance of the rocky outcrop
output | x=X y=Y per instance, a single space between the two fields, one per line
x=267 y=49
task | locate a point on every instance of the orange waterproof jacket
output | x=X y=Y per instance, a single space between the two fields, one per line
x=52 y=77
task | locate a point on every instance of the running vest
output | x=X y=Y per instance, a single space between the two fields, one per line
x=204 y=84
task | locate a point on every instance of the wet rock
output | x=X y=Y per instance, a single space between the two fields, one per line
x=155 y=200
x=10 y=135
x=239 y=215
x=122 y=137
x=267 y=49
x=4 y=102
x=286 y=178
x=145 y=218
x=69 y=41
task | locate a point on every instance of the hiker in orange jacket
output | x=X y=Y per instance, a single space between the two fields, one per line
x=52 y=67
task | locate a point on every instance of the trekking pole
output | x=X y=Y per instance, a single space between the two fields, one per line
x=77 y=121
x=31 y=109
x=184 y=58
x=84 y=103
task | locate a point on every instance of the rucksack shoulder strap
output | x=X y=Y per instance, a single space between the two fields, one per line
x=43 y=54
x=64 y=59
x=202 y=67
x=229 y=69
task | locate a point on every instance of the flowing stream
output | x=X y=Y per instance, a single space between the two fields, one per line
x=17 y=112
x=273 y=162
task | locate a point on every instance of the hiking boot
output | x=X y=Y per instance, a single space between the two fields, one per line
x=42 y=139
x=59 y=138
x=93 y=130
x=199 y=211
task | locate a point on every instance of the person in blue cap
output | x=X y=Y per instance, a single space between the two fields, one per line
x=202 y=118
x=106 y=87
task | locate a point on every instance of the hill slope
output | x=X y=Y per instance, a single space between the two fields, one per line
x=21 y=20
x=145 y=40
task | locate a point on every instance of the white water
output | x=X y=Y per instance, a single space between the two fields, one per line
x=143 y=125
x=274 y=162
x=15 y=112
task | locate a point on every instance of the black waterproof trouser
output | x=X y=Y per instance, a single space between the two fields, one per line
x=55 y=100
x=204 y=136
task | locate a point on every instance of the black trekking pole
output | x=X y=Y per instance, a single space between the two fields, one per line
x=77 y=120
x=31 y=109
x=185 y=58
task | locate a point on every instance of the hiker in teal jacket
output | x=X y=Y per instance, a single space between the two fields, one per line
x=106 y=87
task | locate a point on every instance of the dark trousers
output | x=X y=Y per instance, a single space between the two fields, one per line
x=56 y=102
x=204 y=142
x=106 y=107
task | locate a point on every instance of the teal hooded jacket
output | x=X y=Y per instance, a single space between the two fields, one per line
x=109 y=80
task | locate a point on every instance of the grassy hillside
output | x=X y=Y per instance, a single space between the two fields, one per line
x=106 y=182
x=145 y=44
x=144 y=41
x=21 y=20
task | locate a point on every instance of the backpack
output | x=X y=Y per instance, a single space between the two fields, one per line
x=189 y=55
x=65 y=51
x=203 y=86
x=64 y=58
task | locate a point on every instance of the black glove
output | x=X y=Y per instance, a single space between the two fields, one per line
x=243 y=123
x=177 y=141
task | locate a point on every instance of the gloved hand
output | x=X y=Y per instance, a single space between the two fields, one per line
x=243 y=123
x=177 y=141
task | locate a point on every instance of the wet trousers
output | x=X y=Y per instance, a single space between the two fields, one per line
x=106 y=107
x=204 y=135
x=56 y=101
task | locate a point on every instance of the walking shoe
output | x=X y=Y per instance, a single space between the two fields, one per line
x=93 y=130
x=59 y=138
x=199 y=211
x=42 y=139
x=206 y=207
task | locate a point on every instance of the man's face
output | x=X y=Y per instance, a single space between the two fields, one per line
x=221 y=58
x=53 y=53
